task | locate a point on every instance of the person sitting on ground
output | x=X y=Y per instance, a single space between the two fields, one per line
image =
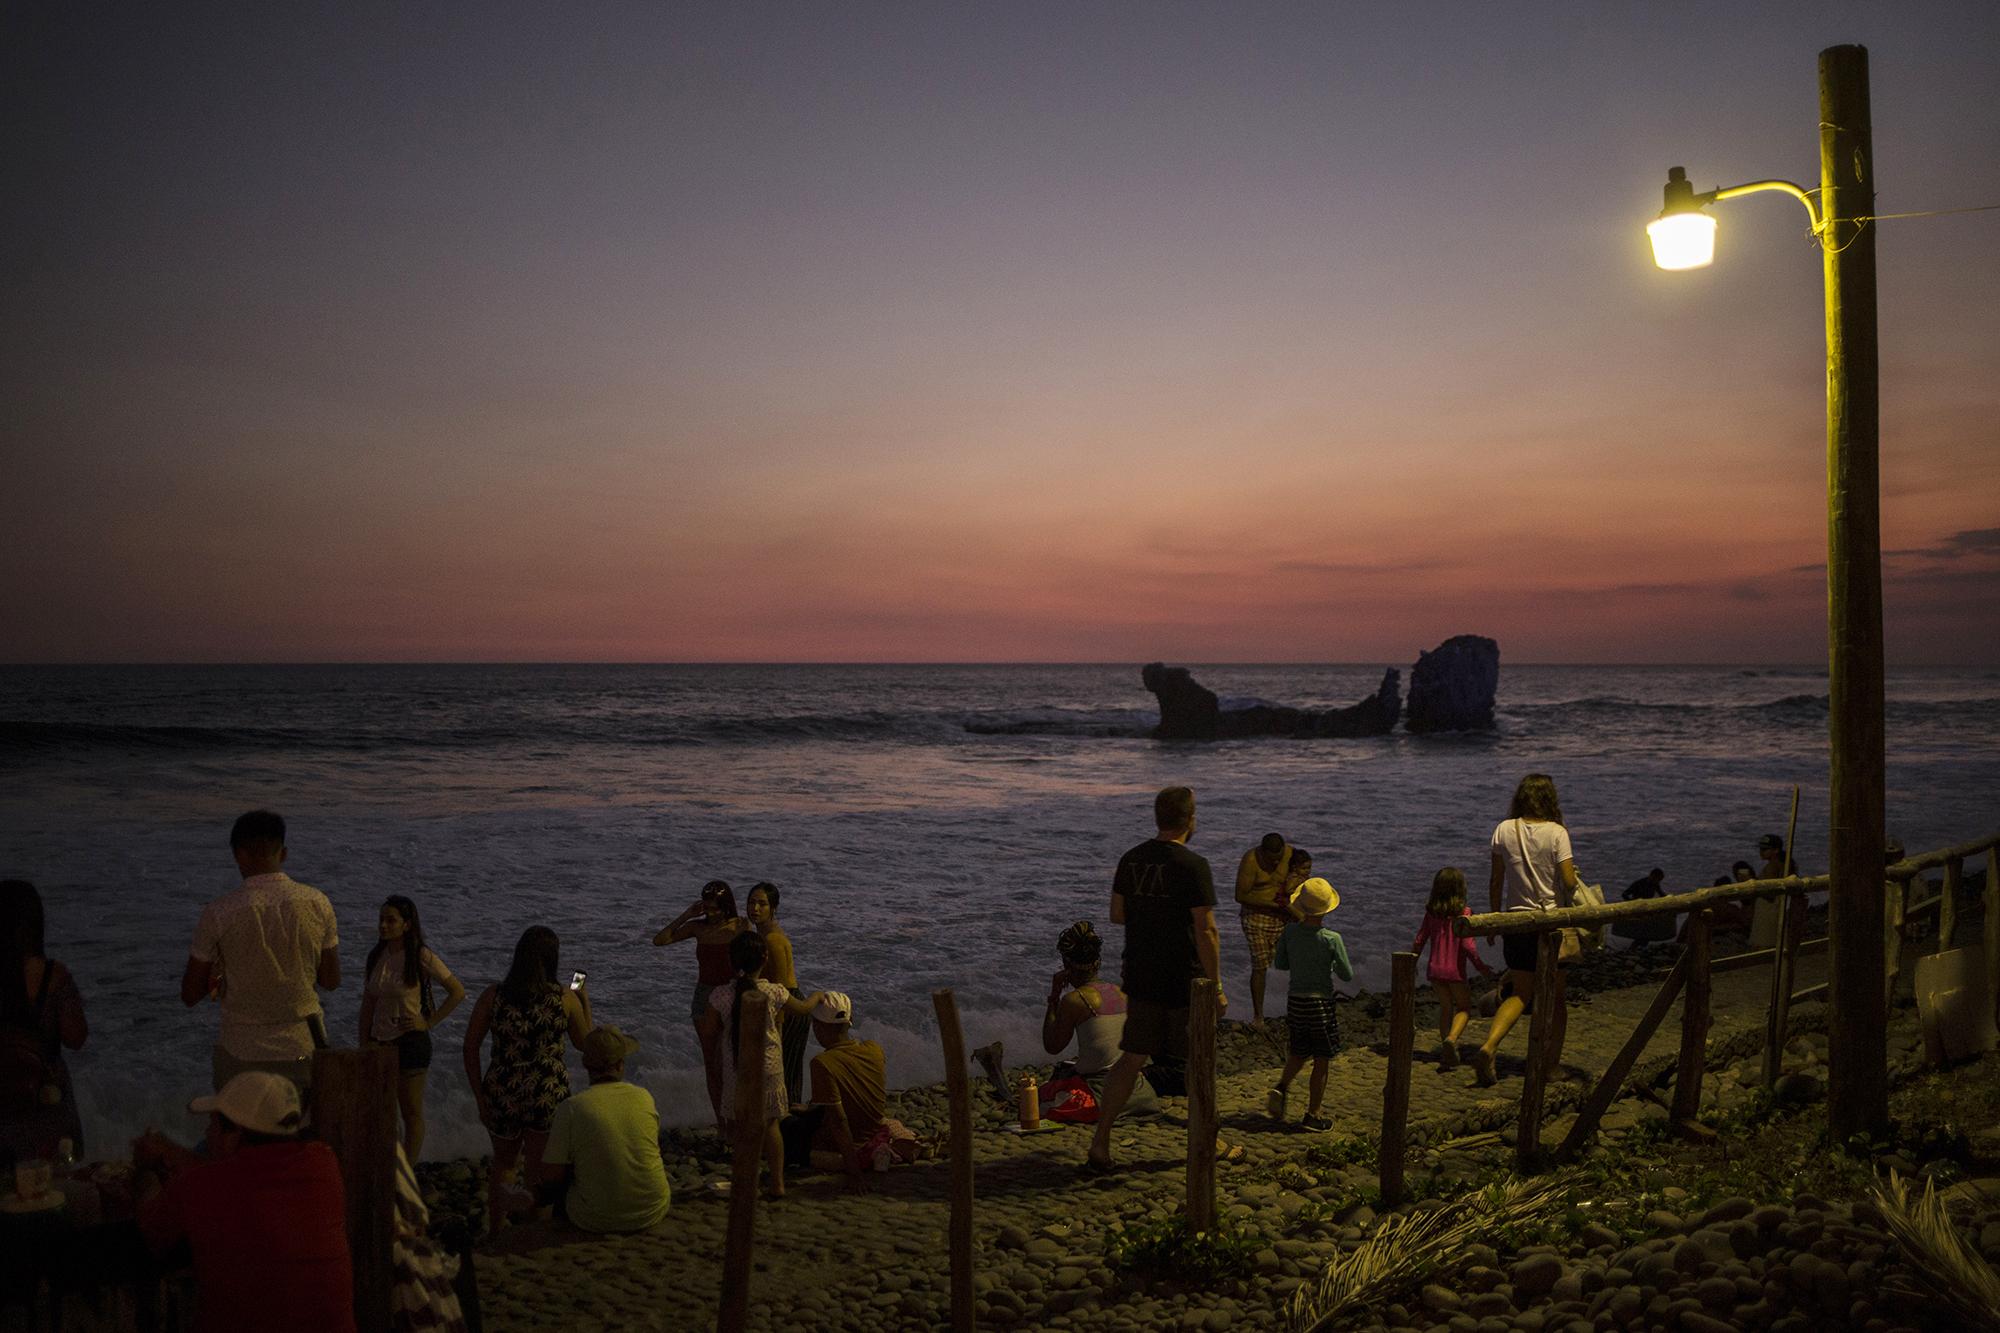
x=850 y=1089
x=605 y=1141
x=261 y=949
x=1314 y=956
x=1652 y=886
x=265 y=1215
x=1449 y=955
x=41 y=1012
x=1261 y=899
x=1093 y=1012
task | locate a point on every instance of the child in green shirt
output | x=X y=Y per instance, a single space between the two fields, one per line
x=1314 y=956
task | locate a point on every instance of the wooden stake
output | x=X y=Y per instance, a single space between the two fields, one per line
x=1606 y=1091
x=1791 y=914
x=1893 y=896
x=1954 y=875
x=1992 y=930
x=1694 y=1024
x=1201 y=1106
x=354 y=1113
x=1396 y=1092
x=958 y=1088
x=1528 y=1138
x=735 y=1313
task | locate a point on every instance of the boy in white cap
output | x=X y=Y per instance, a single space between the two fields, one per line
x=850 y=1088
x=265 y=1216
x=1314 y=956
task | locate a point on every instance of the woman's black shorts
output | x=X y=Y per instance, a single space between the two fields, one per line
x=1521 y=953
x=413 y=1052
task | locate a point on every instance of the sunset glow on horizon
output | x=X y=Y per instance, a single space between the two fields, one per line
x=1023 y=333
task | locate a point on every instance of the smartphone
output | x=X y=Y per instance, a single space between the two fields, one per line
x=576 y=981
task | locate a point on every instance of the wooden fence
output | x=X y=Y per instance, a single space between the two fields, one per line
x=1688 y=979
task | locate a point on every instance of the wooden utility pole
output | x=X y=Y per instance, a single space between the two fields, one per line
x=1857 y=1048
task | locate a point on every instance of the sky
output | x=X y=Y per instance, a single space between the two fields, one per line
x=1038 y=332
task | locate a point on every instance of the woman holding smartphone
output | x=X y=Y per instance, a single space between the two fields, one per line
x=528 y=1015
x=397 y=1007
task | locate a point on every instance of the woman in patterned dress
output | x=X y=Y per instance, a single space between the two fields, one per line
x=528 y=1015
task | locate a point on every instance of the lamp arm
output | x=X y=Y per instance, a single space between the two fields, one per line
x=1757 y=187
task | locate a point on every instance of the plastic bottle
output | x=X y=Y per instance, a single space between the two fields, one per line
x=1028 y=1100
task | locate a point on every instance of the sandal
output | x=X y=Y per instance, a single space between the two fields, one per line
x=1093 y=1167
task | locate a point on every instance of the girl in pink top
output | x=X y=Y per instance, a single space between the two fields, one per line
x=1449 y=955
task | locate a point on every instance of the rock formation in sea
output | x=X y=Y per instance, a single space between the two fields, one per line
x=1189 y=711
x=1452 y=686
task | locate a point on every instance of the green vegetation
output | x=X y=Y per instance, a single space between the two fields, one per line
x=1164 y=1247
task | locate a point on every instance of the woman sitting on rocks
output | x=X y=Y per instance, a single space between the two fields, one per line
x=1093 y=1012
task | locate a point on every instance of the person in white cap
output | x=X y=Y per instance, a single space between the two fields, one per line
x=850 y=1088
x=606 y=1141
x=265 y=1216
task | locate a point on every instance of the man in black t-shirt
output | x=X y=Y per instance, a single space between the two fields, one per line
x=1164 y=896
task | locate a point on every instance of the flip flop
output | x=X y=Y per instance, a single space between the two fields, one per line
x=1093 y=1167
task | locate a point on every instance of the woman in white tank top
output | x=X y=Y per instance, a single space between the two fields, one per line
x=1534 y=870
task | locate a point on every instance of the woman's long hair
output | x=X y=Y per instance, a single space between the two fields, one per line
x=1447 y=893
x=413 y=941
x=746 y=955
x=20 y=940
x=1535 y=798
x=534 y=967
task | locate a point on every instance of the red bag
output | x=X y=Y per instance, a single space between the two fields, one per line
x=1070 y=1101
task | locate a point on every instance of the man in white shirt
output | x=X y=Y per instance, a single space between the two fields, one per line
x=261 y=950
x=607 y=1140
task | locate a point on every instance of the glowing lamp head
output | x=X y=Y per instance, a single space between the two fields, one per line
x=1683 y=236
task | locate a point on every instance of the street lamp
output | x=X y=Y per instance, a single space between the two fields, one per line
x=1684 y=237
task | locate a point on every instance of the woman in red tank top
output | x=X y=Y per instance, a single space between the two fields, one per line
x=711 y=922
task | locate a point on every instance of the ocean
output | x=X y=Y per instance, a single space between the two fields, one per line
x=929 y=826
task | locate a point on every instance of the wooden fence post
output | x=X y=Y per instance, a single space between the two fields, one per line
x=1791 y=919
x=1992 y=930
x=1954 y=874
x=1613 y=1078
x=959 y=1090
x=354 y=1113
x=1201 y=1106
x=1694 y=1024
x=1895 y=893
x=1396 y=1092
x=1528 y=1139
x=749 y=1103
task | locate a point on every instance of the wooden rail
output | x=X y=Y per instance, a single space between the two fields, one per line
x=1690 y=979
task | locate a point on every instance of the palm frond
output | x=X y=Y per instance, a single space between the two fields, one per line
x=1407 y=1247
x=1939 y=1254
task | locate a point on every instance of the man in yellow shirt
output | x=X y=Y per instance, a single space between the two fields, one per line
x=1265 y=909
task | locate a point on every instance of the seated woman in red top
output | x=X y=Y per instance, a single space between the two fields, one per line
x=711 y=922
x=264 y=1217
